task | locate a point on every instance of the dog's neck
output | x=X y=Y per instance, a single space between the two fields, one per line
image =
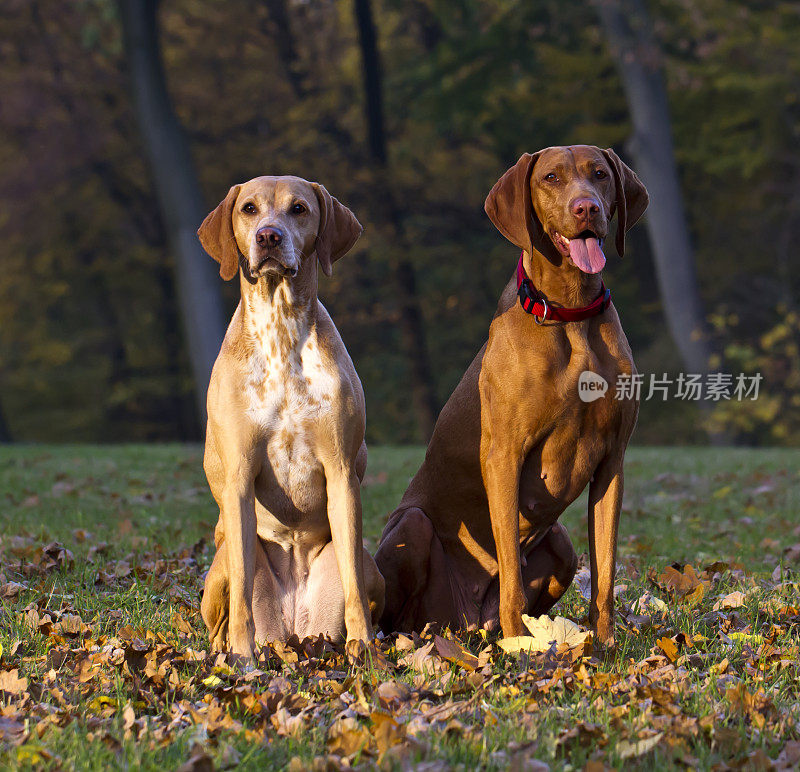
x=561 y=284
x=278 y=311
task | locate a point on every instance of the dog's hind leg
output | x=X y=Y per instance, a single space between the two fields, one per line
x=412 y=561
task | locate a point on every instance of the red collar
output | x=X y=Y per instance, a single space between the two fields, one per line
x=533 y=302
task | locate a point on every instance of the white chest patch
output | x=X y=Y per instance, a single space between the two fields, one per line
x=289 y=387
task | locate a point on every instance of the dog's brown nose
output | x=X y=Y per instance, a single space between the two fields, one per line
x=269 y=236
x=584 y=207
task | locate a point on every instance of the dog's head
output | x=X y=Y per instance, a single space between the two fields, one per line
x=560 y=202
x=270 y=225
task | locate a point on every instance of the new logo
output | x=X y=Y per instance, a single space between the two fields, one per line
x=591 y=386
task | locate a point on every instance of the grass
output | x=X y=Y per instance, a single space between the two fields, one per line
x=729 y=697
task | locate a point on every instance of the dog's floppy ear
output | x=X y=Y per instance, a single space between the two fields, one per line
x=338 y=229
x=631 y=197
x=216 y=235
x=510 y=207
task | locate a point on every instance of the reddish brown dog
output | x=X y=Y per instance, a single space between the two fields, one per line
x=476 y=538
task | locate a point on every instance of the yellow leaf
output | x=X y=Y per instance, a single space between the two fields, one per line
x=33 y=754
x=669 y=647
x=696 y=595
x=212 y=681
x=559 y=630
x=746 y=638
x=100 y=702
x=518 y=643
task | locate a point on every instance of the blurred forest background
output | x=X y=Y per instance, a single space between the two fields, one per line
x=408 y=111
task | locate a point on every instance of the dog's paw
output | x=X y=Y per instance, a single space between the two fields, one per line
x=242 y=646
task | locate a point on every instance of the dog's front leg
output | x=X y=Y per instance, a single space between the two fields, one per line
x=344 y=515
x=239 y=520
x=605 y=500
x=501 y=471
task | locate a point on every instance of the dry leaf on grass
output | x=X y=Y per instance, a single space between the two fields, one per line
x=12 y=732
x=346 y=737
x=10 y=590
x=669 y=647
x=424 y=660
x=732 y=600
x=629 y=750
x=649 y=604
x=583 y=582
x=679 y=582
x=752 y=639
x=199 y=761
x=452 y=651
x=11 y=683
x=544 y=632
x=789 y=757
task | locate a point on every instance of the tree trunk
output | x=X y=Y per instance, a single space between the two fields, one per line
x=412 y=326
x=177 y=190
x=5 y=432
x=628 y=31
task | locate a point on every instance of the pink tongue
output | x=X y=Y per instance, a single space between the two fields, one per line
x=587 y=255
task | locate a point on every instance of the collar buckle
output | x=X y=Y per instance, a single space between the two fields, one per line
x=541 y=319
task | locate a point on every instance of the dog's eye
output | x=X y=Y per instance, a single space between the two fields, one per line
x=600 y=174
x=550 y=177
x=298 y=208
x=249 y=208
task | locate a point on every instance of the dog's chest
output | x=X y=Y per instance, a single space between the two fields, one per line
x=581 y=432
x=290 y=387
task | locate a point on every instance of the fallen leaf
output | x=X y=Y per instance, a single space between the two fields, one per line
x=648 y=603
x=517 y=643
x=732 y=600
x=424 y=660
x=392 y=693
x=387 y=730
x=559 y=630
x=789 y=757
x=680 y=583
x=33 y=754
x=346 y=737
x=669 y=647
x=752 y=638
x=629 y=750
x=452 y=651
x=12 y=732
x=180 y=624
x=199 y=761
x=128 y=716
x=11 y=590
x=11 y=683
x=583 y=581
